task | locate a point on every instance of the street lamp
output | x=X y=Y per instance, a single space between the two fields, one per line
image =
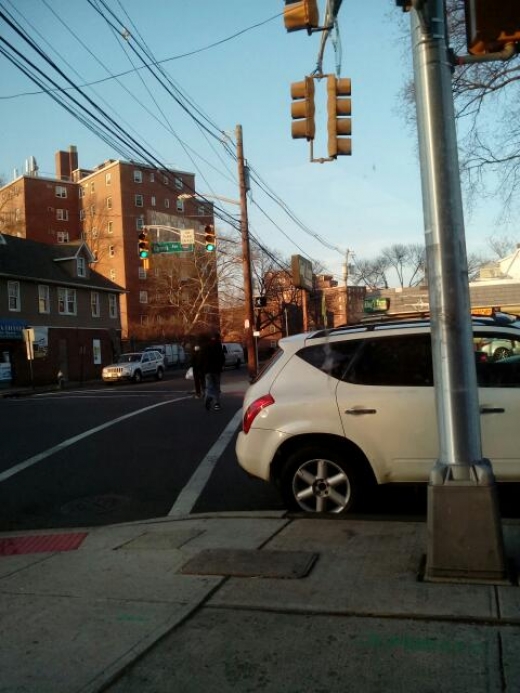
x=252 y=356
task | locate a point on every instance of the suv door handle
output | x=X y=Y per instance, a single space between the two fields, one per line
x=492 y=410
x=357 y=411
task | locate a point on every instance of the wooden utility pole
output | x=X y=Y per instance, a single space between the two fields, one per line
x=249 y=323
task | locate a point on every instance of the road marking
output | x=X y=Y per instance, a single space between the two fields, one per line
x=75 y=439
x=191 y=492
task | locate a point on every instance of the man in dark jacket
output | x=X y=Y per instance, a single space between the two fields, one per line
x=212 y=357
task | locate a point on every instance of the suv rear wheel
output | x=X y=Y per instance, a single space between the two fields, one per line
x=318 y=479
x=160 y=373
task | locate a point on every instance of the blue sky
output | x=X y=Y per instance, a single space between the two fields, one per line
x=364 y=202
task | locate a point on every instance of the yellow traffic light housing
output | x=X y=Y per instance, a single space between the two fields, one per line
x=490 y=25
x=144 y=249
x=339 y=109
x=210 y=240
x=303 y=109
x=301 y=14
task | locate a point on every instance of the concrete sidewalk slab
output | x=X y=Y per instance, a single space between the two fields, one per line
x=239 y=651
x=120 y=608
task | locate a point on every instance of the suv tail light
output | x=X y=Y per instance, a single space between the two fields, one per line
x=254 y=409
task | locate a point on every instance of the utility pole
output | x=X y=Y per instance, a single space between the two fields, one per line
x=464 y=533
x=249 y=323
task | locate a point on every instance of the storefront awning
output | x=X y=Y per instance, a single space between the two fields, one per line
x=11 y=329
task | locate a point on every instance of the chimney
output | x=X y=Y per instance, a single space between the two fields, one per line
x=66 y=163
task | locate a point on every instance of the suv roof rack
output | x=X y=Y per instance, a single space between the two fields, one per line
x=495 y=317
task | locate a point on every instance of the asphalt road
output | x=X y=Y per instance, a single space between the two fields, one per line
x=101 y=455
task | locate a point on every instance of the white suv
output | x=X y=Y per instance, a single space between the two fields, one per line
x=335 y=411
x=135 y=366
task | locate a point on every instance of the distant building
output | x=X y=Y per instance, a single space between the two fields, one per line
x=108 y=207
x=73 y=311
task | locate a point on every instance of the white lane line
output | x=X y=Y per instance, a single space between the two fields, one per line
x=190 y=493
x=75 y=439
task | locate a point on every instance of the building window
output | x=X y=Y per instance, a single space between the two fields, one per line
x=13 y=290
x=165 y=180
x=152 y=177
x=139 y=223
x=111 y=251
x=143 y=297
x=81 y=192
x=82 y=215
x=94 y=304
x=61 y=191
x=110 y=228
x=17 y=214
x=138 y=200
x=153 y=201
x=141 y=273
x=44 y=305
x=66 y=301
x=112 y=275
x=62 y=237
x=109 y=202
x=92 y=188
x=62 y=215
x=94 y=233
x=138 y=177
x=201 y=211
x=112 y=306
x=81 y=267
x=167 y=203
x=180 y=205
x=178 y=183
x=108 y=179
x=92 y=211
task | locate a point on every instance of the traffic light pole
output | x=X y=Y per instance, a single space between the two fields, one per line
x=465 y=541
x=252 y=359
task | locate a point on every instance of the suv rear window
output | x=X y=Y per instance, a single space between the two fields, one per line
x=332 y=358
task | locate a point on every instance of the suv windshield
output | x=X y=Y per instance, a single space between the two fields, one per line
x=129 y=358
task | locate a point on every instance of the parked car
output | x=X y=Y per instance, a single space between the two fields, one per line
x=233 y=353
x=498 y=349
x=173 y=353
x=337 y=411
x=135 y=366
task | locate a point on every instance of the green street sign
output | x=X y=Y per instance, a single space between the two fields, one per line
x=171 y=247
x=376 y=305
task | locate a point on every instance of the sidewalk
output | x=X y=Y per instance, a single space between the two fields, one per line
x=249 y=602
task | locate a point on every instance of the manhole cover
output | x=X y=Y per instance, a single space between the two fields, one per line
x=94 y=504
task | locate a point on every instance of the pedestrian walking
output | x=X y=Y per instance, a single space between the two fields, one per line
x=198 y=371
x=212 y=364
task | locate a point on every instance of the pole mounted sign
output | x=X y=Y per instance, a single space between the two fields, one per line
x=301 y=272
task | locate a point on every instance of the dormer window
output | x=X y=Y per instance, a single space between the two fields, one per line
x=81 y=267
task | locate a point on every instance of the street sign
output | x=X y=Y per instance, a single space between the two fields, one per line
x=171 y=247
x=187 y=236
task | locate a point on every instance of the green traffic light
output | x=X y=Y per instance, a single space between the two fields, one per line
x=210 y=247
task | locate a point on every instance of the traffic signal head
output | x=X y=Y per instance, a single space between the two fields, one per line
x=300 y=14
x=144 y=246
x=339 y=124
x=302 y=109
x=209 y=238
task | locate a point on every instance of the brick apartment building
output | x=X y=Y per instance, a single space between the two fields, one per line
x=108 y=207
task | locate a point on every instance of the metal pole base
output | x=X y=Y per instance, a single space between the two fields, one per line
x=465 y=542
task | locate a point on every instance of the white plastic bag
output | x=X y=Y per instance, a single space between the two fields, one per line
x=189 y=374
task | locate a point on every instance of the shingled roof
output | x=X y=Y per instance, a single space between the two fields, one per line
x=28 y=260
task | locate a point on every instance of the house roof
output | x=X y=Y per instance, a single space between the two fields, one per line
x=28 y=260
